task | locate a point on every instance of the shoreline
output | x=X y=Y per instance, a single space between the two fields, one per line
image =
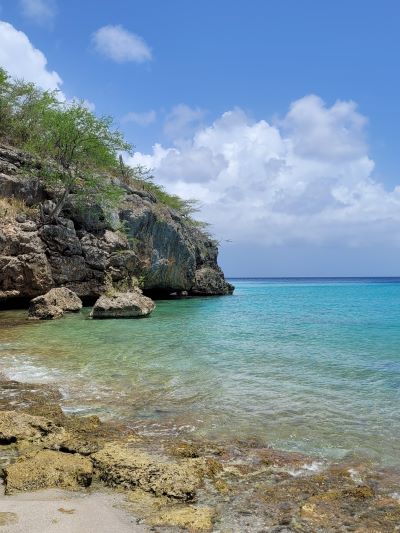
x=186 y=485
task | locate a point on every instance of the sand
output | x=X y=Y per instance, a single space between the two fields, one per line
x=57 y=511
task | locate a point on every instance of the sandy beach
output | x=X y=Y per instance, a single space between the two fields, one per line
x=54 y=511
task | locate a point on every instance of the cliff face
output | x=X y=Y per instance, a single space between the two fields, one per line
x=145 y=239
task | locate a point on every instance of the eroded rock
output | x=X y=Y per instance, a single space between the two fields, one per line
x=189 y=517
x=48 y=469
x=121 y=465
x=209 y=282
x=54 y=303
x=123 y=305
x=16 y=426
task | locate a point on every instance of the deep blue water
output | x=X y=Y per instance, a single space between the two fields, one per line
x=302 y=364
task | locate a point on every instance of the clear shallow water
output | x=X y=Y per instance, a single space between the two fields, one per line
x=310 y=365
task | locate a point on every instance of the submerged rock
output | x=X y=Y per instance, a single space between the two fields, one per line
x=123 y=305
x=48 y=469
x=54 y=303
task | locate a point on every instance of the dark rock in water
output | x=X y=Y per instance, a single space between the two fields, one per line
x=210 y=281
x=85 y=251
x=123 y=305
x=54 y=303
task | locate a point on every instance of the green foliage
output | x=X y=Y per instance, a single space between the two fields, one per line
x=22 y=106
x=142 y=178
x=79 y=152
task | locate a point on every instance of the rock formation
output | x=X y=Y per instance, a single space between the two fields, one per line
x=130 y=304
x=143 y=239
x=54 y=303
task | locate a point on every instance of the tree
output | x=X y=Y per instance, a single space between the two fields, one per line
x=22 y=105
x=80 y=150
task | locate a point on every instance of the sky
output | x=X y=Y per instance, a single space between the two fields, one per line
x=281 y=117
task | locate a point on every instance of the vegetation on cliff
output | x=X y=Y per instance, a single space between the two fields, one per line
x=75 y=215
x=78 y=151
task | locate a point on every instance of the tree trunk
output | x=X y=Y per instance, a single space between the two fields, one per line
x=59 y=206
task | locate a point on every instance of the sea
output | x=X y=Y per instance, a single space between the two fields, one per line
x=299 y=364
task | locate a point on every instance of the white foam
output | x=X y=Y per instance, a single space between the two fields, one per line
x=315 y=466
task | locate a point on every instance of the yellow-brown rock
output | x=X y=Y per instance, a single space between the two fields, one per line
x=48 y=469
x=129 y=467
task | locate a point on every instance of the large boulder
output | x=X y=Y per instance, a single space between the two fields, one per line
x=209 y=282
x=123 y=305
x=54 y=303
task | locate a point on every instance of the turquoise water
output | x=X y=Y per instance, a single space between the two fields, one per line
x=310 y=365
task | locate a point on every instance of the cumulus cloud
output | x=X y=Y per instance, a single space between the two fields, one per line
x=142 y=119
x=120 y=45
x=305 y=178
x=39 y=11
x=182 y=121
x=22 y=60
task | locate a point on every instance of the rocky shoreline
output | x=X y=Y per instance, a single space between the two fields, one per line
x=188 y=485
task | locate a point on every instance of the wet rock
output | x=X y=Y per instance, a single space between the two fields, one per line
x=123 y=305
x=48 y=469
x=54 y=303
x=188 y=517
x=16 y=426
x=128 y=467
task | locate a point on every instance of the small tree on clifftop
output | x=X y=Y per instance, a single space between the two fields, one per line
x=81 y=150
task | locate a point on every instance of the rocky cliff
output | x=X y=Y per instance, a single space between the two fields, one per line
x=144 y=240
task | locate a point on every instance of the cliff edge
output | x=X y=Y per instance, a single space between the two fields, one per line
x=87 y=252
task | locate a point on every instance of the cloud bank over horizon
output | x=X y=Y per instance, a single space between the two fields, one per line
x=307 y=177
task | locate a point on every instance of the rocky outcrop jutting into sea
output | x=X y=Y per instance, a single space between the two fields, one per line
x=143 y=239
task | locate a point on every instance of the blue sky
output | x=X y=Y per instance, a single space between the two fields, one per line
x=282 y=117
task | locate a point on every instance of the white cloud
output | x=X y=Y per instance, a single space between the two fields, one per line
x=182 y=121
x=305 y=178
x=142 y=119
x=120 y=45
x=22 y=60
x=40 y=11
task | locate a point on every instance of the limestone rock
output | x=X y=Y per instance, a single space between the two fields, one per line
x=83 y=251
x=16 y=426
x=54 y=303
x=123 y=305
x=210 y=281
x=120 y=465
x=48 y=469
x=187 y=516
